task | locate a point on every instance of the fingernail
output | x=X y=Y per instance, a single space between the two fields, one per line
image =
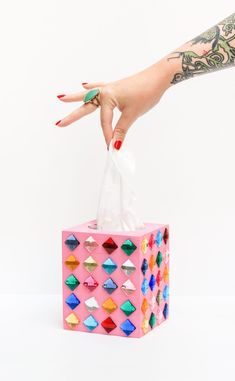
x=118 y=144
x=84 y=83
x=58 y=122
x=60 y=96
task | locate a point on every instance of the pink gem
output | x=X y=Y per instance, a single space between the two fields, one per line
x=90 y=283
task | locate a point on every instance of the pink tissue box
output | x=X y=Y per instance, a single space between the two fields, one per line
x=115 y=283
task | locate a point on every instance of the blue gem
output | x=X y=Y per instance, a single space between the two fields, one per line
x=109 y=266
x=72 y=301
x=158 y=238
x=144 y=287
x=166 y=311
x=72 y=242
x=144 y=266
x=152 y=282
x=165 y=292
x=90 y=322
x=109 y=285
x=127 y=327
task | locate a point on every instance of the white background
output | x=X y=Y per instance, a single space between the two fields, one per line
x=50 y=180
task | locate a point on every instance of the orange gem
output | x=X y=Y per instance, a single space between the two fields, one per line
x=152 y=262
x=144 y=306
x=72 y=262
x=166 y=274
x=109 y=305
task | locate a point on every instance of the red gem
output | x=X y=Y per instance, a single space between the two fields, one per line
x=166 y=235
x=90 y=283
x=151 y=241
x=158 y=278
x=108 y=324
x=110 y=245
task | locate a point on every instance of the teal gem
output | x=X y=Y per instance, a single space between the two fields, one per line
x=110 y=286
x=128 y=246
x=165 y=292
x=72 y=282
x=158 y=238
x=159 y=259
x=127 y=327
x=90 y=322
x=152 y=320
x=90 y=95
x=128 y=308
x=144 y=286
x=109 y=266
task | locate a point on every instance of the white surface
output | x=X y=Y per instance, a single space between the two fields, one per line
x=197 y=343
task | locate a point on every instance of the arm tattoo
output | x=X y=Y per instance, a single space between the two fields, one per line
x=220 y=55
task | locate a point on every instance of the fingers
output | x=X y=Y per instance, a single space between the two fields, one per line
x=106 y=118
x=72 y=97
x=122 y=126
x=91 y=85
x=77 y=114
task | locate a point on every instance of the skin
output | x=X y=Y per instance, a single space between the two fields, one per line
x=137 y=94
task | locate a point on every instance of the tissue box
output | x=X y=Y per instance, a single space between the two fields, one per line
x=115 y=283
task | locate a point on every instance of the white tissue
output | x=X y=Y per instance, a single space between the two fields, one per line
x=117 y=197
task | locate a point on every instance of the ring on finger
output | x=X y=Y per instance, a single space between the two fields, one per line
x=92 y=97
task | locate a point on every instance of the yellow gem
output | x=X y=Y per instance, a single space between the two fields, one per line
x=166 y=274
x=72 y=262
x=144 y=306
x=145 y=325
x=90 y=264
x=109 y=305
x=144 y=245
x=72 y=320
x=152 y=262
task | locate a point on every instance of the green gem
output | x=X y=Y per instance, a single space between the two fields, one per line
x=72 y=282
x=128 y=246
x=159 y=259
x=128 y=308
x=90 y=95
x=152 y=320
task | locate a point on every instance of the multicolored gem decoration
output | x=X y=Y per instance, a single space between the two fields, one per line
x=71 y=242
x=158 y=238
x=127 y=307
x=109 y=305
x=108 y=324
x=110 y=286
x=72 y=301
x=127 y=327
x=90 y=322
x=91 y=304
x=72 y=262
x=128 y=247
x=109 y=266
x=90 y=283
x=72 y=282
x=109 y=245
x=72 y=320
x=128 y=287
x=90 y=244
x=144 y=266
x=128 y=267
x=90 y=264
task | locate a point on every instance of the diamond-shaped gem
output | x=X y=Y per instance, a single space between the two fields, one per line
x=127 y=327
x=159 y=278
x=128 y=287
x=72 y=320
x=91 y=304
x=109 y=266
x=90 y=283
x=71 y=242
x=144 y=286
x=110 y=286
x=128 y=308
x=144 y=245
x=145 y=325
x=108 y=324
x=128 y=246
x=159 y=297
x=165 y=311
x=151 y=241
x=144 y=266
x=166 y=274
x=158 y=238
x=144 y=306
x=152 y=320
x=165 y=235
x=90 y=264
x=72 y=301
x=90 y=322
x=159 y=315
x=72 y=282
x=90 y=244
x=109 y=305
x=152 y=262
x=71 y=262
x=159 y=259
x=109 y=245
x=167 y=257
x=152 y=302
x=165 y=292
x=128 y=267
x=152 y=282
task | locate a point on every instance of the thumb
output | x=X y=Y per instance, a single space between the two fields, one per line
x=120 y=131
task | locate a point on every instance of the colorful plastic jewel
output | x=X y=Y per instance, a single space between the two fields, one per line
x=152 y=320
x=109 y=245
x=151 y=241
x=109 y=305
x=152 y=302
x=72 y=282
x=167 y=257
x=72 y=301
x=145 y=325
x=159 y=278
x=91 y=304
x=128 y=246
x=108 y=324
x=71 y=242
x=159 y=259
x=158 y=238
x=152 y=262
x=128 y=308
x=159 y=297
x=90 y=264
x=90 y=322
x=159 y=316
x=128 y=267
x=144 y=286
x=72 y=262
x=165 y=292
x=128 y=287
x=90 y=283
x=109 y=266
x=166 y=274
x=144 y=245
x=144 y=306
x=72 y=320
x=166 y=311
x=144 y=266
x=90 y=244
x=152 y=282
x=110 y=286
x=165 y=235
x=127 y=327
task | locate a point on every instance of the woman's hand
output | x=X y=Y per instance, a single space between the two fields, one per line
x=133 y=96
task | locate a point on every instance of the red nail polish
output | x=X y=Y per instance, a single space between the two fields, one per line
x=58 y=122
x=118 y=144
x=84 y=83
x=61 y=96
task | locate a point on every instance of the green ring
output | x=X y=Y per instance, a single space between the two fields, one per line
x=91 y=95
